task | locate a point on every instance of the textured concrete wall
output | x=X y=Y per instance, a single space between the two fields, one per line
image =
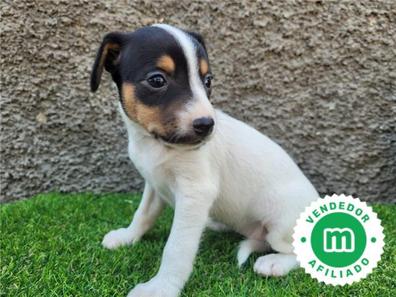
x=319 y=77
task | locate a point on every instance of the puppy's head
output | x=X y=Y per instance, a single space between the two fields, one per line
x=164 y=81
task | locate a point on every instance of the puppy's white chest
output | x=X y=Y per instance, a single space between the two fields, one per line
x=142 y=161
x=151 y=162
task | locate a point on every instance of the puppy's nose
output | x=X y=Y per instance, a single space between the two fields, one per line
x=203 y=126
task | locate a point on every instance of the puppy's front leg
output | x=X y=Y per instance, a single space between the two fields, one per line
x=144 y=218
x=191 y=215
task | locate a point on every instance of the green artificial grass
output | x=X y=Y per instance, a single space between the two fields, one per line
x=50 y=246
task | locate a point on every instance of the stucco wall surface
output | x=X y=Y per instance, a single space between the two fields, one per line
x=319 y=77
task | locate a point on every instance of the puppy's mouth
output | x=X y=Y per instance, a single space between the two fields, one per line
x=187 y=140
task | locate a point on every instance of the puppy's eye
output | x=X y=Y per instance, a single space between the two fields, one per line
x=156 y=81
x=208 y=81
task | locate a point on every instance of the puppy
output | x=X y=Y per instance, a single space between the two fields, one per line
x=211 y=168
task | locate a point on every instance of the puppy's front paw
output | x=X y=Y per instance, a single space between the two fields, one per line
x=119 y=237
x=275 y=264
x=154 y=288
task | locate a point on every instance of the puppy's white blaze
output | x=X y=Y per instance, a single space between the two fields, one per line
x=200 y=106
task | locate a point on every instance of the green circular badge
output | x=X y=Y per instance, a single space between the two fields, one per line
x=338 y=239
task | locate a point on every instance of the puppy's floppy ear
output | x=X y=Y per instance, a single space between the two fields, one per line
x=198 y=37
x=107 y=57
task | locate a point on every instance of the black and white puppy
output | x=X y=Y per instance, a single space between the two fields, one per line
x=211 y=168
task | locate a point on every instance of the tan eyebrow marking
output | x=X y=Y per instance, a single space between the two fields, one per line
x=203 y=66
x=166 y=63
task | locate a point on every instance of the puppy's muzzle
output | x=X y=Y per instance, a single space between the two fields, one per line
x=203 y=126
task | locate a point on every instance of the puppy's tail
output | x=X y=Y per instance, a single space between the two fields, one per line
x=249 y=246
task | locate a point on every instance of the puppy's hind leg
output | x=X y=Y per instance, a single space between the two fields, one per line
x=249 y=246
x=144 y=218
x=277 y=264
